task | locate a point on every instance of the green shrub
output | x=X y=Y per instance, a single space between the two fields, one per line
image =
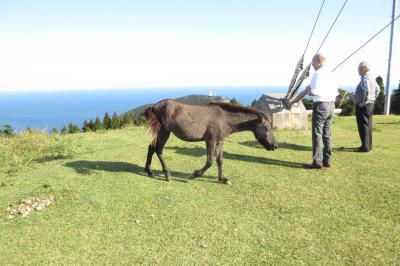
x=141 y=120
x=308 y=103
x=395 y=105
x=6 y=130
x=20 y=150
x=379 y=105
x=128 y=119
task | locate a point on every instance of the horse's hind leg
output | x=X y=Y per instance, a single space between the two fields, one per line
x=157 y=148
x=219 y=156
x=150 y=153
x=162 y=138
x=210 y=157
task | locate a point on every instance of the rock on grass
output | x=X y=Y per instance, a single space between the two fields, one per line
x=27 y=206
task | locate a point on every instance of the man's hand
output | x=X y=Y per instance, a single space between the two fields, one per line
x=286 y=103
x=362 y=104
x=308 y=90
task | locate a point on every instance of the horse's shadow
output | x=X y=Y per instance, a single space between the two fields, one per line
x=85 y=167
x=199 y=151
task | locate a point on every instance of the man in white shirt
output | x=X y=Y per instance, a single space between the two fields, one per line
x=323 y=90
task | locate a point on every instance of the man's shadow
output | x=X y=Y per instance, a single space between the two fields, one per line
x=85 y=167
x=292 y=146
x=388 y=123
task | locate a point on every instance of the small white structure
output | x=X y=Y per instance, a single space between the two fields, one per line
x=295 y=118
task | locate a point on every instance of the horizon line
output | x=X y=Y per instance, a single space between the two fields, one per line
x=156 y=88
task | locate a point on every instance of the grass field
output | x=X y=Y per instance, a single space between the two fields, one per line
x=106 y=211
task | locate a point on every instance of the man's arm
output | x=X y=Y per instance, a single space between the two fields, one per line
x=365 y=90
x=375 y=89
x=371 y=89
x=309 y=91
x=299 y=97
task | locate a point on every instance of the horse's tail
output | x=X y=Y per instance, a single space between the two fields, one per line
x=152 y=123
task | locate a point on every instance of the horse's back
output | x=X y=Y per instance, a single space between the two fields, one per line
x=188 y=122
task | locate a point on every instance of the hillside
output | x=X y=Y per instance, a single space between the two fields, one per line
x=105 y=210
x=189 y=99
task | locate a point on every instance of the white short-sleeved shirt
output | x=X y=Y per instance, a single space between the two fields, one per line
x=323 y=86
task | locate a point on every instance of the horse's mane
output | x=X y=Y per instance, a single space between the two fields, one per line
x=240 y=108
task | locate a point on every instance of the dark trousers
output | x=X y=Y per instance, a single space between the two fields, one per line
x=364 y=123
x=322 y=117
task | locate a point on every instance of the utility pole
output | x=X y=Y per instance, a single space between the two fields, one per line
x=388 y=91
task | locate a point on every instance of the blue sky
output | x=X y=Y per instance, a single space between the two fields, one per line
x=126 y=44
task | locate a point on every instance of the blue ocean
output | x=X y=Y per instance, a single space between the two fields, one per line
x=56 y=109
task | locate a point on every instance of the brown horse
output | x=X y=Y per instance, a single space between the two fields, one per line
x=211 y=123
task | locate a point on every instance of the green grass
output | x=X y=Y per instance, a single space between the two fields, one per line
x=274 y=213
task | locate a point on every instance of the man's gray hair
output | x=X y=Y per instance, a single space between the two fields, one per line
x=366 y=65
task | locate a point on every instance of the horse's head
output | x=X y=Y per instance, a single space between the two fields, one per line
x=263 y=133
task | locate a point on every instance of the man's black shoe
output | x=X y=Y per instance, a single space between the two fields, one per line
x=312 y=166
x=327 y=165
x=361 y=149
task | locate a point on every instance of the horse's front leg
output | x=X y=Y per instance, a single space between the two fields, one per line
x=210 y=158
x=220 y=158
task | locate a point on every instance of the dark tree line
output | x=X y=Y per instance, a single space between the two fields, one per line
x=345 y=101
x=395 y=107
x=109 y=122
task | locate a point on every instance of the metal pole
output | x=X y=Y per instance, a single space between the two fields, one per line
x=388 y=91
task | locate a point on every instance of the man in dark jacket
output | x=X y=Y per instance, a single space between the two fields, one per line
x=365 y=95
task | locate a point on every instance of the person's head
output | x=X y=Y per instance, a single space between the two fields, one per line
x=363 y=68
x=318 y=61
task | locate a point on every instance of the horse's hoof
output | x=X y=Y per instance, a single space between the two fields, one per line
x=150 y=174
x=168 y=178
x=227 y=182
x=195 y=174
